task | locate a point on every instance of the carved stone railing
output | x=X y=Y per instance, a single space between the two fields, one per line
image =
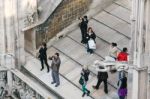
x=23 y=91
x=21 y=87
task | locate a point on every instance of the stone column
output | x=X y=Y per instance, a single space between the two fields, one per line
x=10 y=38
x=140 y=74
x=147 y=43
x=2 y=33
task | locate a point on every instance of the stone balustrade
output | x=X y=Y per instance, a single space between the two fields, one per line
x=19 y=89
x=23 y=91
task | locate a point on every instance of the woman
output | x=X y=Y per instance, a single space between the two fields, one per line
x=90 y=36
x=85 y=72
x=122 y=86
x=85 y=76
x=113 y=50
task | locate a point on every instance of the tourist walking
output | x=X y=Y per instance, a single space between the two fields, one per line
x=90 y=40
x=122 y=57
x=83 y=27
x=55 y=65
x=113 y=51
x=83 y=80
x=122 y=86
x=85 y=72
x=102 y=77
x=43 y=56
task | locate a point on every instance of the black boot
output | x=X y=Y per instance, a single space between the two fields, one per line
x=88 y=92
x=83 y=94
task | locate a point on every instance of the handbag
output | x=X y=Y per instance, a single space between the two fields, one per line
x=92 y=44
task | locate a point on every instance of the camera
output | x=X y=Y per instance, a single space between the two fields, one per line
x=51 y=57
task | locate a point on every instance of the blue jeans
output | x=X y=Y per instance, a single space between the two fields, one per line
x=55 y=77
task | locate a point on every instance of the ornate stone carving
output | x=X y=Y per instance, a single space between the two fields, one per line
x=31 y=12
x=22 y=91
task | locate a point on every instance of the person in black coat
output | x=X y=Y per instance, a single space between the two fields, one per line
x=85 y=72
x=43 y=56
x=102 y=77
x=83 y=27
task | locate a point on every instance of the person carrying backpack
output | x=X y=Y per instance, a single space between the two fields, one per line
x=83 y=80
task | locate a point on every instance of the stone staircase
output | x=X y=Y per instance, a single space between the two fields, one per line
x=110 y=25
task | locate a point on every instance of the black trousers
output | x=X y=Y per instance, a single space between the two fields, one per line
x=44 y=60
x=105 y=84
x=83 y=34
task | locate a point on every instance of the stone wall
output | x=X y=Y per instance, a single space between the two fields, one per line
x=64 y=15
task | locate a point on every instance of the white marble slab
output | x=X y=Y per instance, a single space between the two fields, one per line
x=76 y=51
x=119 y=11
x=114 y=23
x=125 y=3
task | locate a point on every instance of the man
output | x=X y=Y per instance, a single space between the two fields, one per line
x=83 y=28
x=55 y=69
x=43 y=56
x=102 y=77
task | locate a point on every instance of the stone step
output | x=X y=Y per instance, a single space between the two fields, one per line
x=81 y=57
x=66 y=88
x=114 y=23
x=109 y=35
x=120 y=12
x=74 y=74
x=124 y=3
x=75 y=51
x=102 y=47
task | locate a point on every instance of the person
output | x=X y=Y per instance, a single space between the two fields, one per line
x=113 y=50
x=102 y=77
x=2 y=92
x=43 y=56
x=85 y=90
x=122 y=57
x=85 y=72
x=83 y=27
x=55 y=65
x=83 y=80
x=90 y=36
x=122 y=86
